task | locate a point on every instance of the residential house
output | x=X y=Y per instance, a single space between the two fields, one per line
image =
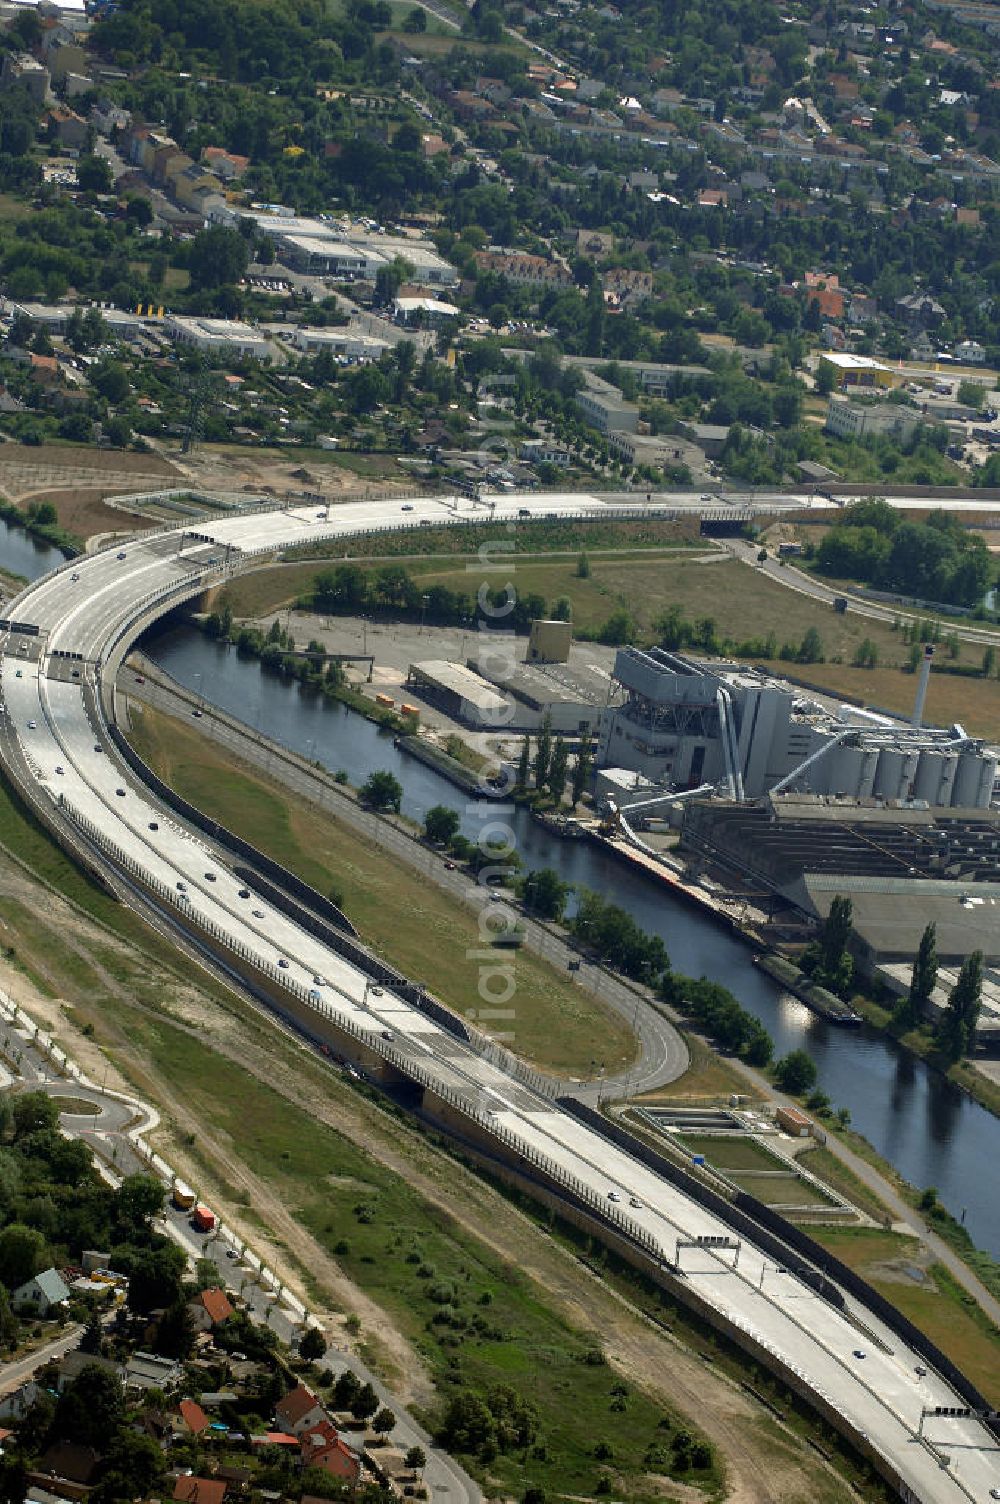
x=43 y=1292
x=970 y=352
x=193 y=1417
x=67 y=127
x=73 y=1364
x=627 y=286
x=147 y=1371
x=21 y=70
x=470 y=107
x=63 y=54
x=66 y=1462
x=210 y=1308
x=919 y=310
x=862 y=308
x=523 y=270
x=194 y=1490
x=830 y=301
x=594 y=243
x=225 y=164
x=299 y=1411
x=106 y=116
x=322 y=1447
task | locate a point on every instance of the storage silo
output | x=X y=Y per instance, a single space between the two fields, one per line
x=987 y=780
x=869 y=767
x=889 y=773
x=927 y=784
x=965 y=791
x=842 y=772
x=949 y=768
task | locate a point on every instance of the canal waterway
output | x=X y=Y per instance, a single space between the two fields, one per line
x=930 y=1131
x=22 y=554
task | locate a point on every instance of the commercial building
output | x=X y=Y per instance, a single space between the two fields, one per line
x=347 y=343
x=224 y=337
x=653 y=450
x=604 y=407
x=329 y=248
x=569 y=697
x=435 y=313
x=542 y=452
x=862 y=420
x=902 y=867
x=693 y=723
x=859 y=370
x=318 y=257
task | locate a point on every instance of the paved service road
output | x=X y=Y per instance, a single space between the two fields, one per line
x=57 y=748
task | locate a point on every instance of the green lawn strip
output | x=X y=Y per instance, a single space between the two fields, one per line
x=537 y=537
x=478 y=1321
x=825 y=1165
x=709 y=1079
x=414 y=924
x=731 y=1152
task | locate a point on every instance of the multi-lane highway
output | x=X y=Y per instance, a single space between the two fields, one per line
x=54 y=742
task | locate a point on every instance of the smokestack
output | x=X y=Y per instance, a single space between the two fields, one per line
x=925 y=673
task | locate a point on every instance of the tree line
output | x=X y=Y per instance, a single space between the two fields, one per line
x=934 y=560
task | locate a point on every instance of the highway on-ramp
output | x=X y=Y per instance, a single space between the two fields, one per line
x=60 y=647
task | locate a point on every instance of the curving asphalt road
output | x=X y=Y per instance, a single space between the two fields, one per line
x=56 y=748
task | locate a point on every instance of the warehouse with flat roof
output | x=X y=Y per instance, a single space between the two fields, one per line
x=460 y=693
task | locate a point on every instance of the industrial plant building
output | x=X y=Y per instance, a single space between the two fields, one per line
x=688 y=724
x=902 y=868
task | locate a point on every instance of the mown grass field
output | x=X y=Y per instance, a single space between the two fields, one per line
x=414 y=924
x=733 y=1152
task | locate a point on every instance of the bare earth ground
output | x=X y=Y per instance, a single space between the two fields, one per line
x=765 y=1464
x=220 y=467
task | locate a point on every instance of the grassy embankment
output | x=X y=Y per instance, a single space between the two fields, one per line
x=415 y=925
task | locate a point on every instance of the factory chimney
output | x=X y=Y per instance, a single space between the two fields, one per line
x=925 y=673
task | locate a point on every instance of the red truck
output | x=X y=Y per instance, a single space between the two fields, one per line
x=202 y=1220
